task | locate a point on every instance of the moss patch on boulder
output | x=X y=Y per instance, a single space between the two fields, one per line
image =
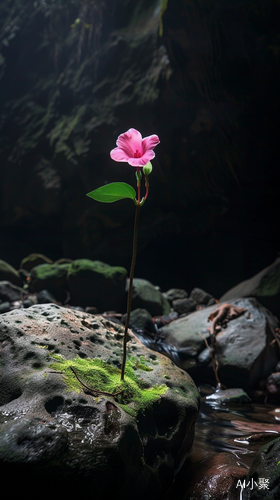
x=135 y=395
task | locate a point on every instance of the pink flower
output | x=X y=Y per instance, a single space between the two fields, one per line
x=133 y=149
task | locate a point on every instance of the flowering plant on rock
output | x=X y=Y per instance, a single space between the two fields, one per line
x=137 y=152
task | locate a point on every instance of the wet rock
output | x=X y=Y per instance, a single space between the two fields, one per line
x=200 y=296
x=5 y=307
x=234 y=396
x=50 y=428
x=33 y=260
x=265 y=286
x=140 y=319
x=146 y=296
x=94 y=283
x=10 y=292
x=45 y=297
x=50 y=277
x=273 y=387
x=264 y=474
x=213 y=479
x=9 y=273
x=91 y=310
x=175 y=293
x=244 y=350
x=184 y=305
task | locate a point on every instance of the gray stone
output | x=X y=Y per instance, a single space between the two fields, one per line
x=10 y=292
x=45 y=297
x=5 y=307
x=94 y=283
x=244 y=350
x=146 y=296
x=265 y=286
x=184 y=305
x=265 y=468
x=50 y=430
x=200 y=296
x=232 y=396
x=140 y=319
x=273 y=387
x=175 y=293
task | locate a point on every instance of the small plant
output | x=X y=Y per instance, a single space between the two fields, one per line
x=138 y=153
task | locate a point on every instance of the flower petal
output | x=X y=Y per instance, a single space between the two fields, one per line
x=130 y=142
x=119 y=154
x=150 y=142
x=140 y=162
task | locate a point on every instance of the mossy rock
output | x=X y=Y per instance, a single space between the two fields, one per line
x=9 y=273
x=50 y=277
x=94 y=283
x=33 y=260
x=265 y=470
x=147 y=296
x=55 y=363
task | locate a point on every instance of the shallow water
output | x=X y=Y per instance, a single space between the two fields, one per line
x=240 y=430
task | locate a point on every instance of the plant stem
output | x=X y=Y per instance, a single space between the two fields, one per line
x=129 y=296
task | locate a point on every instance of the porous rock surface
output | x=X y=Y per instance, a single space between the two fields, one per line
x=49 y=435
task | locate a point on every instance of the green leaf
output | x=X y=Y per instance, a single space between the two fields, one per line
x=113 y=192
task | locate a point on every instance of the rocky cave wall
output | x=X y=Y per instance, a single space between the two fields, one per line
x=203 y=75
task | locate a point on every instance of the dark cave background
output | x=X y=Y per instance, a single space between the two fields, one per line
x=201 y=74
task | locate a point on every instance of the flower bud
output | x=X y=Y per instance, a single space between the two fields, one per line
x=147 y=168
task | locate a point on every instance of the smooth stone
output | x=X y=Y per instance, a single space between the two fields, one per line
x=5 y=307
x=45 y=297
x=184 y=305
x=175 y=293
x=215 y=478
x=234 y=396
x=244 y=350
x=200 y=296
x=140 y=319
x=265 y=286
x=146 y=296
x=10 y=292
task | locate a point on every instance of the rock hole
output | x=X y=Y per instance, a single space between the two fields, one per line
x=82 y=355
x=53 y=404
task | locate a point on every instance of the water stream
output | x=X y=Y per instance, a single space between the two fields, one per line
x=240 y=429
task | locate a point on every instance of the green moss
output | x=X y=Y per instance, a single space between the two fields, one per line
x=140 y=364
x=135 y=396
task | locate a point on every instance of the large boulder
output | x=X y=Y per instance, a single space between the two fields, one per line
x=265 y=286
x=50 y=277
x=54 y=426
x=264 y=474
x=244 y=350
x=94 y=283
